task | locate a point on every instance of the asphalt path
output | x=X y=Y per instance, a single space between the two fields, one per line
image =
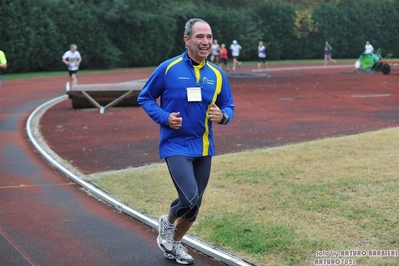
x=45 y=219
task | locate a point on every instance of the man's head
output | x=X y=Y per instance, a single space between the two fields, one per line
x=367 y=42
x=215 y=41
x=260 y=43
x=234 y=42
x=73 y=47
x=198 y=39
x=326 y=43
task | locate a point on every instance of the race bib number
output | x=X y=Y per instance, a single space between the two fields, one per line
x=194 y=94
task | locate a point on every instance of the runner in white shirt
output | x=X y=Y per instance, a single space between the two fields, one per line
x=72 y=59
x=235 y=52
x=262 y=55
x=368 y=48
x=215 y=52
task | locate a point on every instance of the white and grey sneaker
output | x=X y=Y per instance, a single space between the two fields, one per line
x=180 y=254
x=165 y=236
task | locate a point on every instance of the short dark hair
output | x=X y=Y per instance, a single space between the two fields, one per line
x=188 y=28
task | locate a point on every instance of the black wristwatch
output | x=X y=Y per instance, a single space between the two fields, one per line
x=224 y=119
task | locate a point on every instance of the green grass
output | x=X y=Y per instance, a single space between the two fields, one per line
x=14 y=76
x=279 y=206
x=30 y=75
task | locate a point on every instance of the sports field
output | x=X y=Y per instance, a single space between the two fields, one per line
x=272 y=206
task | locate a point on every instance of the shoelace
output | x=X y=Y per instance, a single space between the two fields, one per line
x=169 y=234
x=181 y=250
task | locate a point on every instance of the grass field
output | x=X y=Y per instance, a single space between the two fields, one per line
x=14 y=76
x=279 y=206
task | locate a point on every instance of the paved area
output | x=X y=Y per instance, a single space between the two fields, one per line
x=44 y=218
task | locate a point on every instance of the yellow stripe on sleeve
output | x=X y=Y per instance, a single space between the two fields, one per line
x=205 y=137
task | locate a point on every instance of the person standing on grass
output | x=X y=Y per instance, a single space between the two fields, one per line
x=195 y=94
x=327 y=54
x=262 y=55
x=215 y=52
x=3 y=63
x=235 y=53
x=368 y=48
x=224 y=57
x=72 y=59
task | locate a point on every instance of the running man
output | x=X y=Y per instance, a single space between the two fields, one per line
x=195 y=95
x=3 y=63
x=224 y=57
x=215 y=52
x=72 y=59
x=368 y=48
x=262 y=55
x=327 y=54
x=235 y=53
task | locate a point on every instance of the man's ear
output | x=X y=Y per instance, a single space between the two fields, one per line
x=186 y=40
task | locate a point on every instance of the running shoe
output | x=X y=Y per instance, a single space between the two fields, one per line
x=165 y=236
x=180 y=254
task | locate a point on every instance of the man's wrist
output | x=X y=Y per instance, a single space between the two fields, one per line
x=224 y=119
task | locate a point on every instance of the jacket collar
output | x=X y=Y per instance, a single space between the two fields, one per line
x=189 y=62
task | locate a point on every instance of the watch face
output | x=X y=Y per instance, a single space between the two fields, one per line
x=224 y=119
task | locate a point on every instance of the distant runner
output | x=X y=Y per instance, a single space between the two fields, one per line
x=262 y=55
x=72 y=59
x=224 y=57
x=327 y=54
x=215 y=52
x=235 y=53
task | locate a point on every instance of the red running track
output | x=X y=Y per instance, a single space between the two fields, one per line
x=289 y=106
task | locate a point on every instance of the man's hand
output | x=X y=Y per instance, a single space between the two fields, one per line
x=175 y=121
x=215 y=115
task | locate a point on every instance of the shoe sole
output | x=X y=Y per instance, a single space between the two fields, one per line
x=172 y=257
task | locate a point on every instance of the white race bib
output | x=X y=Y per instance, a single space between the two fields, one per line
x=194 y=94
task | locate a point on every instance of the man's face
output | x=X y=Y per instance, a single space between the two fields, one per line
x=73 y=49
x=200 y=43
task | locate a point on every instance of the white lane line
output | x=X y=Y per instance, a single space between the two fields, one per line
x=370 y=95
x=32 y=128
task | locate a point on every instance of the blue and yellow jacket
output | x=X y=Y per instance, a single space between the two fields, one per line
x=170 y=82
